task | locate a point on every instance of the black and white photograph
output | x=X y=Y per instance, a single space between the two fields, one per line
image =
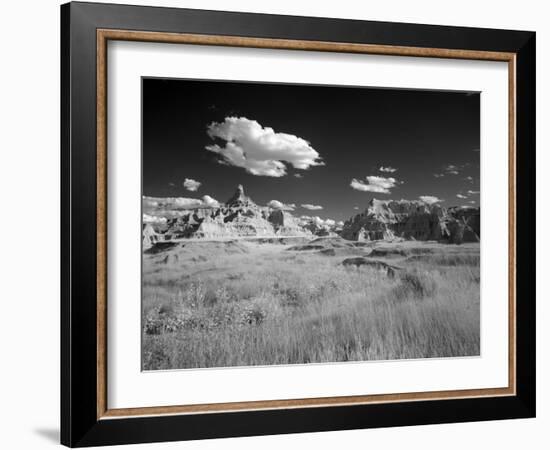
x=299 y=224
x=276 y=224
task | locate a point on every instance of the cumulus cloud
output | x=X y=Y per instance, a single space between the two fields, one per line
x=461 y=196
x=381 y=185
x=322 y=222
x=210 y=202
x=311 y=207
x=327 y=223
x=356 y=207
x=153 y=219
x=473 y=192
x=260 y=150
x=388 y=169
x=276 y=204
x=298 y=175
x=150 y=202
x=184 y=203
x=191 y=185
x=430 y=199
x=168 y=204
x=454 y=169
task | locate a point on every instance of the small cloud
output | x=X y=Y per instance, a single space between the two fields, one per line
x=184 y=203
x=276 y=204
x=439 y=175
x=150 y=202
x=328 y=223
x=171 y=204
x=430 y=199
x=172 y=184
x=311 y=207
x=298 y=175
x=388 y=169
x=381 y=185
x=454 y=169
x=450 y=169
x=191 y=185
x=260 y=150
x=153 y=219
x=471 y=179
x=461 y=196
x=473 y=192
x=472 y=202
x=340 y=223
x=356 y=207
x=210 y=202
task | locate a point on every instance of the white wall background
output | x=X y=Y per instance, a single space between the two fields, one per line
x=29 y=223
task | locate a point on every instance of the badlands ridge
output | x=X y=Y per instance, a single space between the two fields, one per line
x=386 y=220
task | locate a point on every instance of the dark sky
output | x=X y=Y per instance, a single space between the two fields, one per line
x=355 y=131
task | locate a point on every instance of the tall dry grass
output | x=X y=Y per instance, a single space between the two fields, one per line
x=239 y=309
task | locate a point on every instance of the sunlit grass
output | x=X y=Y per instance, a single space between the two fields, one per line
x=260 y=305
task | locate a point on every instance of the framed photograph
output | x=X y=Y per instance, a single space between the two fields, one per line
x=276 y=224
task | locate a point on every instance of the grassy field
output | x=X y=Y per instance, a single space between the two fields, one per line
x=239 y=303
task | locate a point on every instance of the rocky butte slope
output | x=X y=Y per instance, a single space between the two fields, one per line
x=382 y=220
x=390 y=219
x=238 y=217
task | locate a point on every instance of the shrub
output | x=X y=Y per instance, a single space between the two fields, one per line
x=414 y=285
x=254 y=315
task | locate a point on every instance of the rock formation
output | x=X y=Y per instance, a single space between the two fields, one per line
x=238 y=217
x=149 y=234
x=239 y=200
x=413 y=220
x=382 y=220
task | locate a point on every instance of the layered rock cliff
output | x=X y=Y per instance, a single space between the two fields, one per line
x=417 y=220
x=238 y=217
x=381 y=220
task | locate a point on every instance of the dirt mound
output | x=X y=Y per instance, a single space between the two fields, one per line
x=389 y=252
x=333 y=242
x=362 y=244
x=307 y=247
x=282 y=240
x=160 y=247
x=381 y=266
x=422 y=251
x=342 y=252
x=212 y=248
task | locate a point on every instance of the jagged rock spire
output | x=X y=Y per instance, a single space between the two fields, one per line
x=239 y=198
